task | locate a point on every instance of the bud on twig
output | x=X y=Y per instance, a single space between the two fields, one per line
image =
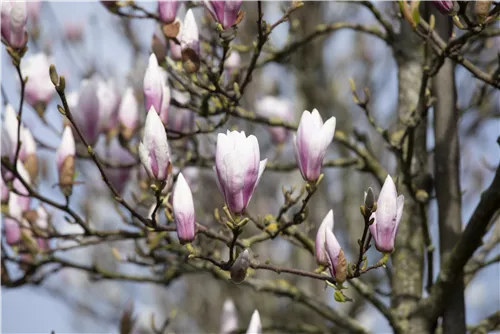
x=240 y=267
x=369 y=199
x=66 y=161
x=190 y=44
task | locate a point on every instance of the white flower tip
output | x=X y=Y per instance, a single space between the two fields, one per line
x=153 y=62
x=189 y=31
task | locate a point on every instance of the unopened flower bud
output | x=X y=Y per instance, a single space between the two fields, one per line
x=320 y=251
x=335 y=255
x=227 y=13
x=311 y=141
x=387 y=217
x=184 y=212
x=128 y=114
x=190 y=43
x=153 y=149
x=446 y=7
x=14 y=17
x=153 y=85
x=66 y=161
x=39 y=88
x=240 y=267
x=167 y=10
x=369 y=201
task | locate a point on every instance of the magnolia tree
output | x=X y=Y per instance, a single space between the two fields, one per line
x=210 y=172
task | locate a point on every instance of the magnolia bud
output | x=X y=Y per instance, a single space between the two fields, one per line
x=66 y=161
x=167 y=10
x=240 y=267
x=190 y=43
x=227 y=13
x=237 y=168
x=369 y=199
x=387 y=217
x=310 y=150
x=184 y=211
x=446 y=7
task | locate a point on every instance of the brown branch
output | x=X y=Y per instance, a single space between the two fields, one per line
x=470 y=240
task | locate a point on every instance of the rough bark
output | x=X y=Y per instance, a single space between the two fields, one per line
x=447 y=177
x=408 y=257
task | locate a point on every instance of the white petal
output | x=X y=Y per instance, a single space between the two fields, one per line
x=28 y=142
x=326 y=225
x=129 y=109
x=189 y=31
x=145 y=159
x=399 y=213
x=255 y=326
x=229 y=318
x=386 y=203
x=67 y=146
x=328 y=131
x=183 y=198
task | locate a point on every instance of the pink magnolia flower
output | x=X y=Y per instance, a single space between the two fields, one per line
x=128 y=113
x=13 y=26
x=333 y=251
x=387 y=216
x=311 y=141
x=326 y=225
x=224 y=12
x=165 y=101
x=109 y=100
x=34 y=8
x=39 y=89
x=167 y=10
x=86 y=111
x=153 y=149
x=153 y=85
x=446 y=7
x=184 y=212
x=237 y=168
x=190 y=43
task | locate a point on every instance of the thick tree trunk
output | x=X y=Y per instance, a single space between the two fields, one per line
x=408 y=257
x=447 y=176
